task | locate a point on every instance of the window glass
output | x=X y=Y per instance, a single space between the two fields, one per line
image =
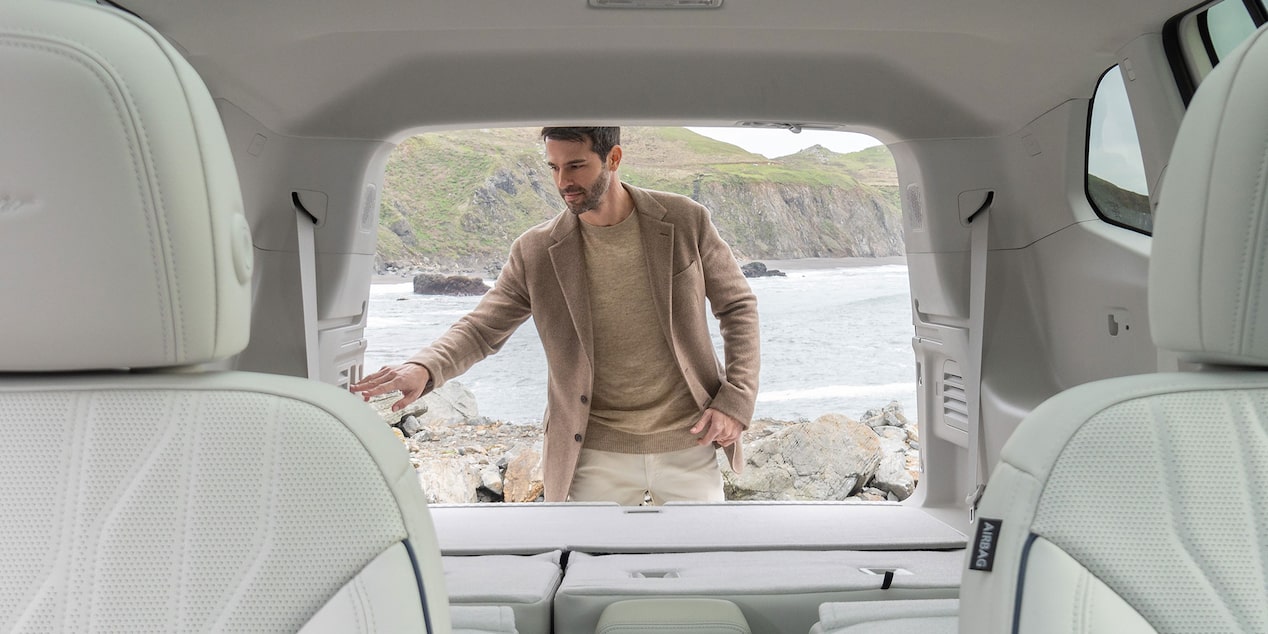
x=1116 y=184
x=816 y=220
x=1199 y=39
x=1228 y=24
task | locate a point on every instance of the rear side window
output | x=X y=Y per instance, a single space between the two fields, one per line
x=1198 y=40
x=1116 y=184
x=1224 y=26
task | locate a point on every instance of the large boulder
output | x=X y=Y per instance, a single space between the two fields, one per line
x=449 y=480
x=450 y=404
x=893 y=476
x=523 y=479
x=437 y=284
x=830 y=458
x=758 y=269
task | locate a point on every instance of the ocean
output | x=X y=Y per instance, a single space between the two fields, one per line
x=834 y=340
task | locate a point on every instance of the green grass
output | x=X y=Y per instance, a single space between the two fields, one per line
x=469 y=194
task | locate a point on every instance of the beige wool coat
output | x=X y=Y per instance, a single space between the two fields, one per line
x=545 y=277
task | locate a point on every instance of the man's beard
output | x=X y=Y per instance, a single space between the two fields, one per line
x=594 y=195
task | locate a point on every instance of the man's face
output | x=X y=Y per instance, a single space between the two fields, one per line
x=581 y=175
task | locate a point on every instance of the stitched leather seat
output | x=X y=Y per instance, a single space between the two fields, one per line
x=1178 y=544
x=142 y=491
x=696 y=615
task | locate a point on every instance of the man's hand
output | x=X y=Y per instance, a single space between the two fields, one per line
x=718 y=428
x=410 y=378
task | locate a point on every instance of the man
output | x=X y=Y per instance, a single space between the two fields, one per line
x=636 y=399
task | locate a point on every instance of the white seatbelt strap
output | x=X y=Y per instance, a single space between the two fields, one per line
x=305 y=232
x=979 y=222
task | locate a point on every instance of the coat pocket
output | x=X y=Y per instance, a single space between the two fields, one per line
x=687 y=291
x=694 y=266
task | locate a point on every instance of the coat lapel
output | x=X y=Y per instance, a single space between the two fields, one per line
x=658 y=251
x=569 y=263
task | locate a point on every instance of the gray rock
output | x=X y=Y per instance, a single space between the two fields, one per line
x=890 y=415
x=448 y=481
x=523 y=479
x=426 y=434
x=872 y=494
x=897 y=434
x=491 y=479
x=758 y=269
x=410 y=425
x=893 y=477
x=436 y=284
x=382 y=405
x=828 y=459
x=451 y=404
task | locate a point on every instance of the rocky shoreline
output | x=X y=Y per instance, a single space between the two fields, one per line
x=396 y=273
x=462 y=457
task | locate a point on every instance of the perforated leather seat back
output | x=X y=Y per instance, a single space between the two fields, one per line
x=140 y=492
x=1140 y=504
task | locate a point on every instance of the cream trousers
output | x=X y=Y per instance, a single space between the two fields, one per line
x=689 y=475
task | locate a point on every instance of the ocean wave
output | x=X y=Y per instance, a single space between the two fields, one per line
x=836 y=391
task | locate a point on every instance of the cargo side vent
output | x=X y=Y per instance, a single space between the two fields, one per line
x=955 y=400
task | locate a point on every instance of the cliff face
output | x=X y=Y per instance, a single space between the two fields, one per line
x=455 y=201
x=764 y=220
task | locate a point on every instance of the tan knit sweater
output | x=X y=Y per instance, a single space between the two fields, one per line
x=641 y=403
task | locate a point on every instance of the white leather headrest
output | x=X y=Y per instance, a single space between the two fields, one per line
x=1208 y=271
x=122 y=237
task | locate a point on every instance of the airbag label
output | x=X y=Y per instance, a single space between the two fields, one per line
x=984 y=544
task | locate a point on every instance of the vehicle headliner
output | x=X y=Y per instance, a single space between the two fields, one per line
x=905 y=69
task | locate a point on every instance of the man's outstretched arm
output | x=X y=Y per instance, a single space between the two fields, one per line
x=479 y=333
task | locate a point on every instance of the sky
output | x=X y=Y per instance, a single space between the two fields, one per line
x=775 y=143
x=1113 y=148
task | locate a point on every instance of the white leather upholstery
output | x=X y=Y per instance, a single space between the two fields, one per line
x=928 y=616
x=218 y=500
x=171 y=499
x=526 y=584
x=1207 y=284
x=1176 y=543
x=115 y=165
x=1171 y=543
x=374 y=601
x=699 y=616
x=482 y=619
x=1066 y=597
x=779 y=591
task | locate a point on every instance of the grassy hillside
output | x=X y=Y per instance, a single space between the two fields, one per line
x=1120 y=205
x=457 y=200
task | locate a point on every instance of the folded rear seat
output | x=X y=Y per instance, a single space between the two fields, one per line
x=777 y=591
x=482 y=619
x=927 y=616
x=526 y=584
x=698 y=616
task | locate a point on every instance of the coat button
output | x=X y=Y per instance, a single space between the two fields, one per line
x=577 y=437
x=584 y=399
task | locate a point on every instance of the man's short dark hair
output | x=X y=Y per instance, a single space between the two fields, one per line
x=602 y=140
